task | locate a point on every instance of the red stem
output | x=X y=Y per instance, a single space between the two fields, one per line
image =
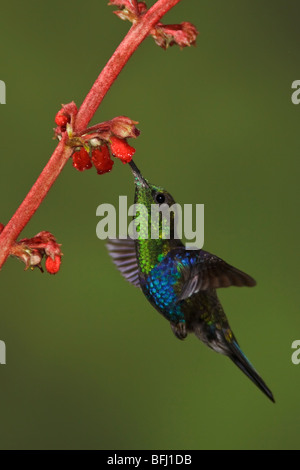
x=61 y=154
x=34 y=198
x=130 y=43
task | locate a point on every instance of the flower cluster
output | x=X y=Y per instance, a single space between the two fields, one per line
x=32 y=250
x=183 y=34
x=95 y=145
x=100 y=157
x=101 y=141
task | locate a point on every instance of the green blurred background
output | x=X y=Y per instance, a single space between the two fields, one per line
x=90 y=364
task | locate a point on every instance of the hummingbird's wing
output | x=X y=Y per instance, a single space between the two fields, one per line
x=124 y=257
x=206 y=271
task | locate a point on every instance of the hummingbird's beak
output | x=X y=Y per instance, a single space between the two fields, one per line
x=137 y=174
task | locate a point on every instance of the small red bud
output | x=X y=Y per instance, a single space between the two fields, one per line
x=1 y=227
x=101 y=160
x=81 y=160
x=121 y=149
x=53 y=265
x=61 y=119
x=65 y=116
x=142 y=7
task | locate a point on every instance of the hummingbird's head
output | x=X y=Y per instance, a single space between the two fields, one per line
x=146 y=193
x=156 y=210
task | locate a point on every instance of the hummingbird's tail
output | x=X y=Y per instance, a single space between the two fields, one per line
x=239 y=358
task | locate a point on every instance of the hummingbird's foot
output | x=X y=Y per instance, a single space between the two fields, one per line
x=179 y=329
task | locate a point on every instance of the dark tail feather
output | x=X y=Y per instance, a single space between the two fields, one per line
x=238 y=357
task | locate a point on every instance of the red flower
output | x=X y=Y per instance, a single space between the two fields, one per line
x=124 y=127
x=32 y=250
x=53 y=265
x=81 y=160
x=183 y=34
x=120 y=149
x=101 y=160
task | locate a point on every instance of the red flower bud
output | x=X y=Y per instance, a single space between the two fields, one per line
x=142 y=7
x=1 y=227
x=32 y=250
x=120 y=149
x=61 y=119
x=81 y=160
x=65 y=116
x=53 y=265
x=101 y=160
x=124 y=127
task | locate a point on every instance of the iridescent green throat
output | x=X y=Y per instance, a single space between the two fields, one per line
x=150 y=251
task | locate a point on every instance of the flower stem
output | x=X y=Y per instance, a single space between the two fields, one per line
x=130 y=43
x=61 y=154
x=33 y=199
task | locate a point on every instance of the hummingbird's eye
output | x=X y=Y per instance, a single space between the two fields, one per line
x=160 y=198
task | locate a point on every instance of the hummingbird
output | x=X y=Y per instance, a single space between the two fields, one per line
x=181 y=283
